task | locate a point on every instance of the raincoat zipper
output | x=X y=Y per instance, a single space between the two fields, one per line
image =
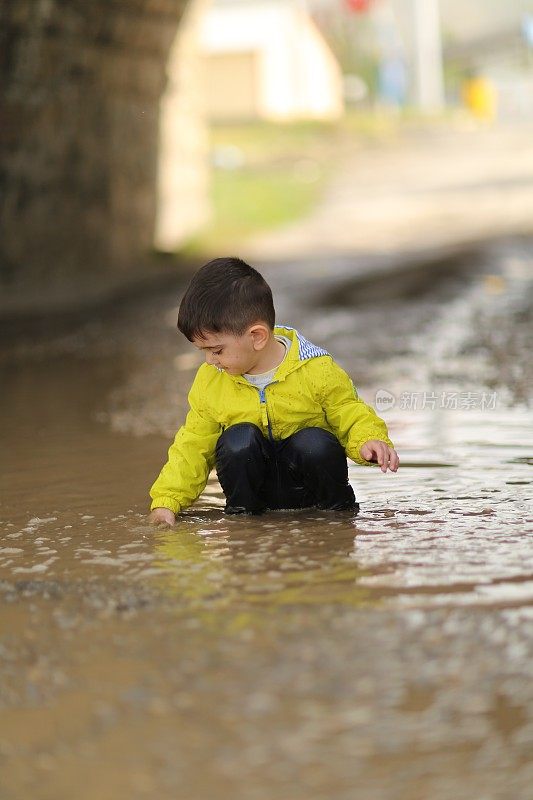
x=264 y=410
x=265 y=417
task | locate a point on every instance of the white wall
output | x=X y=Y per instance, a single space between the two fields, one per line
x=297 y=75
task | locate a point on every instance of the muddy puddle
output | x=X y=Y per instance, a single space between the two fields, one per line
x=296 y=655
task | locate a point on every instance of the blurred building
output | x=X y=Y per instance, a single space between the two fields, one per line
x=268 y=60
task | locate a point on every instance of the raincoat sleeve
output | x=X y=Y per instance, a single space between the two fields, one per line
x=190 y=458
x=351 y=419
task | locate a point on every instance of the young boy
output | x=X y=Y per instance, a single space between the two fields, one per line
x=274 y=413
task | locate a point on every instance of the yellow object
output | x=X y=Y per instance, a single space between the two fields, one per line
x=480 y=98
x=309 y=390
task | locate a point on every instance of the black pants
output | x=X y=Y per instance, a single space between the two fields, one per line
x=307 y=469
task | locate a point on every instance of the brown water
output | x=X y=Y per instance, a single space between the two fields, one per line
x=295 y=655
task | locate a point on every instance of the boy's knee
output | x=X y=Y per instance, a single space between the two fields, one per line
x=239 y=438
x=316 y=443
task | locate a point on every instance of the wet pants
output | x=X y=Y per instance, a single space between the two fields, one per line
x=308 y=469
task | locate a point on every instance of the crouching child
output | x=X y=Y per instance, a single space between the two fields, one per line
x=272 y=412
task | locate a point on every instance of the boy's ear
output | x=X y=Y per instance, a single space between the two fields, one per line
x=260 y=335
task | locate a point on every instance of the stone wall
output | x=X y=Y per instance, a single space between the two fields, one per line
x=81 y=83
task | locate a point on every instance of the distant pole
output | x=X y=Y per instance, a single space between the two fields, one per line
x=428 y=70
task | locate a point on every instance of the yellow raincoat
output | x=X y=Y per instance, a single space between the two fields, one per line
x=309 y=390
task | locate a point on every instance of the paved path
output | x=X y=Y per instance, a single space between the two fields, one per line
x=429 y=190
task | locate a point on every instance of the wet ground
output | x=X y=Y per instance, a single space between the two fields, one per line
x=294 y=656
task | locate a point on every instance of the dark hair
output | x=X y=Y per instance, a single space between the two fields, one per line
x=225 y=296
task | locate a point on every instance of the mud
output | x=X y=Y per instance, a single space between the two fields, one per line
x=295 y=655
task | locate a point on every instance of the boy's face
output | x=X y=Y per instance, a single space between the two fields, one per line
x=234 y=354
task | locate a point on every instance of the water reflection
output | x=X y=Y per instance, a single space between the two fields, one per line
x=235 y=565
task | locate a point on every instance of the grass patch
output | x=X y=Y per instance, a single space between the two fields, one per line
x=251 y=200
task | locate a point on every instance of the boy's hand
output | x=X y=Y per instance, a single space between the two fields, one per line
x=162 y=515
x=385 y=456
